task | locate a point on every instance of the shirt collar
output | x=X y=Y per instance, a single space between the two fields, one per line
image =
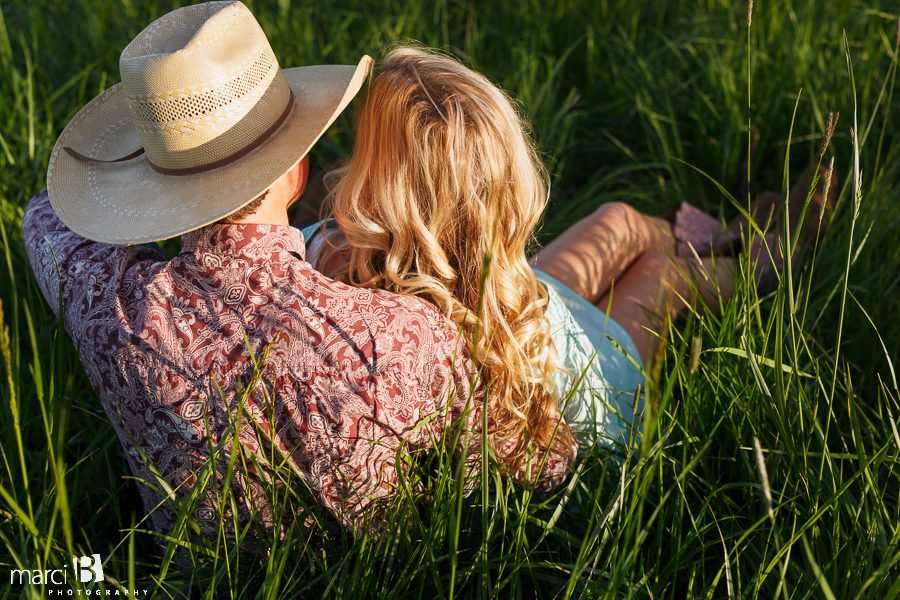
x=251 y=240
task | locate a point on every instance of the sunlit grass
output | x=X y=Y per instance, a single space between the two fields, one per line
x=768 y=463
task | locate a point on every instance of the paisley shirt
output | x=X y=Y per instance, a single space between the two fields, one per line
x=238 y=338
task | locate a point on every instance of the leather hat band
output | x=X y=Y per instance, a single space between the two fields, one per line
x=259 y=141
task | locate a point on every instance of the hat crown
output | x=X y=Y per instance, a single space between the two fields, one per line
x=202 y=83
x=203 y=122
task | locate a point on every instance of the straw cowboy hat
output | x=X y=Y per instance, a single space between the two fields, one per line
x=203 y=122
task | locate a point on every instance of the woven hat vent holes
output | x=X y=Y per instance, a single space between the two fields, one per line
x=186 y=107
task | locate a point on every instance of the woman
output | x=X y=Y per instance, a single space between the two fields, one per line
x=441 y=199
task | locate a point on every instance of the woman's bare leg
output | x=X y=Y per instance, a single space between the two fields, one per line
x=600 y=247
x=657 y=287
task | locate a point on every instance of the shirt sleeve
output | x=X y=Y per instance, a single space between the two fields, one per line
x=65 y=263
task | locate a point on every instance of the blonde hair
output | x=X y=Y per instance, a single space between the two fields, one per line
x=440 y=200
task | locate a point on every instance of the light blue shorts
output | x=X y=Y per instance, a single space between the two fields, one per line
x=599 y=352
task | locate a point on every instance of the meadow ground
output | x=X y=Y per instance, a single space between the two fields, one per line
x=644 y=102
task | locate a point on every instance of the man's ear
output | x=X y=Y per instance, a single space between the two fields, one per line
x=295 y=180
x=303 y=175
x=309 y=201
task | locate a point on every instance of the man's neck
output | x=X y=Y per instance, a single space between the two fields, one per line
x=267 y=214
x=281 y=194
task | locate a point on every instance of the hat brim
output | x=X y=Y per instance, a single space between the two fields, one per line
x=130 y=203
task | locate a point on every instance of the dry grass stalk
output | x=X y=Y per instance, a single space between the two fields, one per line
x=769 y=219
x=894 y=429
x=695 y=353
x=764 y=476
x=699 y=262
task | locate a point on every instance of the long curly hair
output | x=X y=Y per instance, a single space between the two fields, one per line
x=440 y=200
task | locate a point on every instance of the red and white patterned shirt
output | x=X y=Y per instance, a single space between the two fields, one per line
x=345 y=374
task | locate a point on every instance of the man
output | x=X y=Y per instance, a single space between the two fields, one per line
x=236 y=345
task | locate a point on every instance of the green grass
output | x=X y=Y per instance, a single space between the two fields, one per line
x=630 y=100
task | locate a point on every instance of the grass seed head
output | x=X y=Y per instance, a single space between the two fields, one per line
x=637 y=396
x=829 y=129
x=837 y=117
x=825 y=190
x=858 y=200
x=749 y=12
